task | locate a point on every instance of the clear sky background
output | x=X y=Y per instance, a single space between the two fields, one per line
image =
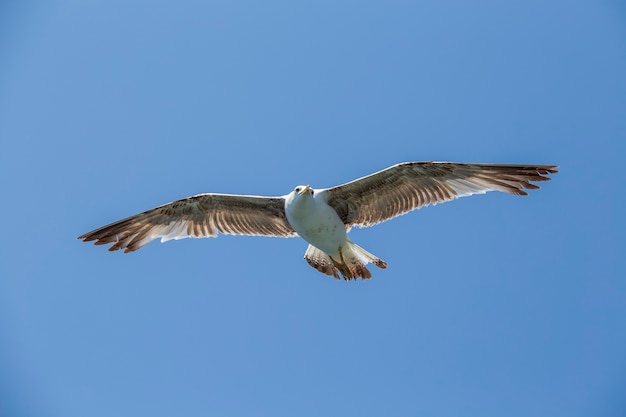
x=493 y=305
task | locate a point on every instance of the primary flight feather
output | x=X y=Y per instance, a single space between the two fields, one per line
x=324 y=216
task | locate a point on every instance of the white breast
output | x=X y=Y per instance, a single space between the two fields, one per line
x=315 y=221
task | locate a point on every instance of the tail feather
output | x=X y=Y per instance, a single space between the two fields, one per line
x=320 y=261
x=350 y=262
x=366 y=257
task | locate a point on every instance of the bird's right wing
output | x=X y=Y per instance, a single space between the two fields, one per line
x=408 y=186
x=203 y=215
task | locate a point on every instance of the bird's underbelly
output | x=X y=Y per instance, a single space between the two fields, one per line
x=322 y=229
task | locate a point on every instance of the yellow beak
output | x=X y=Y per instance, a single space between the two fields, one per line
x=305 y=189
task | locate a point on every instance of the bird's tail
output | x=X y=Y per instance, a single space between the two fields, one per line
x=350 y=261
x=320 y=261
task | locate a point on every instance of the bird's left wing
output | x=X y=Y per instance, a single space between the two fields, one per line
x=404 y=187
x=203 y=215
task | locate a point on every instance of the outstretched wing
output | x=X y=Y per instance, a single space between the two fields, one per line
x=202 y=215
x=408 y=186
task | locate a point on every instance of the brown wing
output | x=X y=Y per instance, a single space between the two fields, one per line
x=408 y=186
x=202 y=215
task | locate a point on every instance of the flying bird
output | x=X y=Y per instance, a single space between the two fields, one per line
x=323 y=216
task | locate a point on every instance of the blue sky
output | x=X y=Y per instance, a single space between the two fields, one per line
x=492 y=305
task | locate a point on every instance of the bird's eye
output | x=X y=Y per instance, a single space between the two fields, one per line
x=298 y=189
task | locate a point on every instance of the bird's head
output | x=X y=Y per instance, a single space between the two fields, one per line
x=303 y=189
x=300 y=194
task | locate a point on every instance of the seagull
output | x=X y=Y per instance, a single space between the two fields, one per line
x=323 y=217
